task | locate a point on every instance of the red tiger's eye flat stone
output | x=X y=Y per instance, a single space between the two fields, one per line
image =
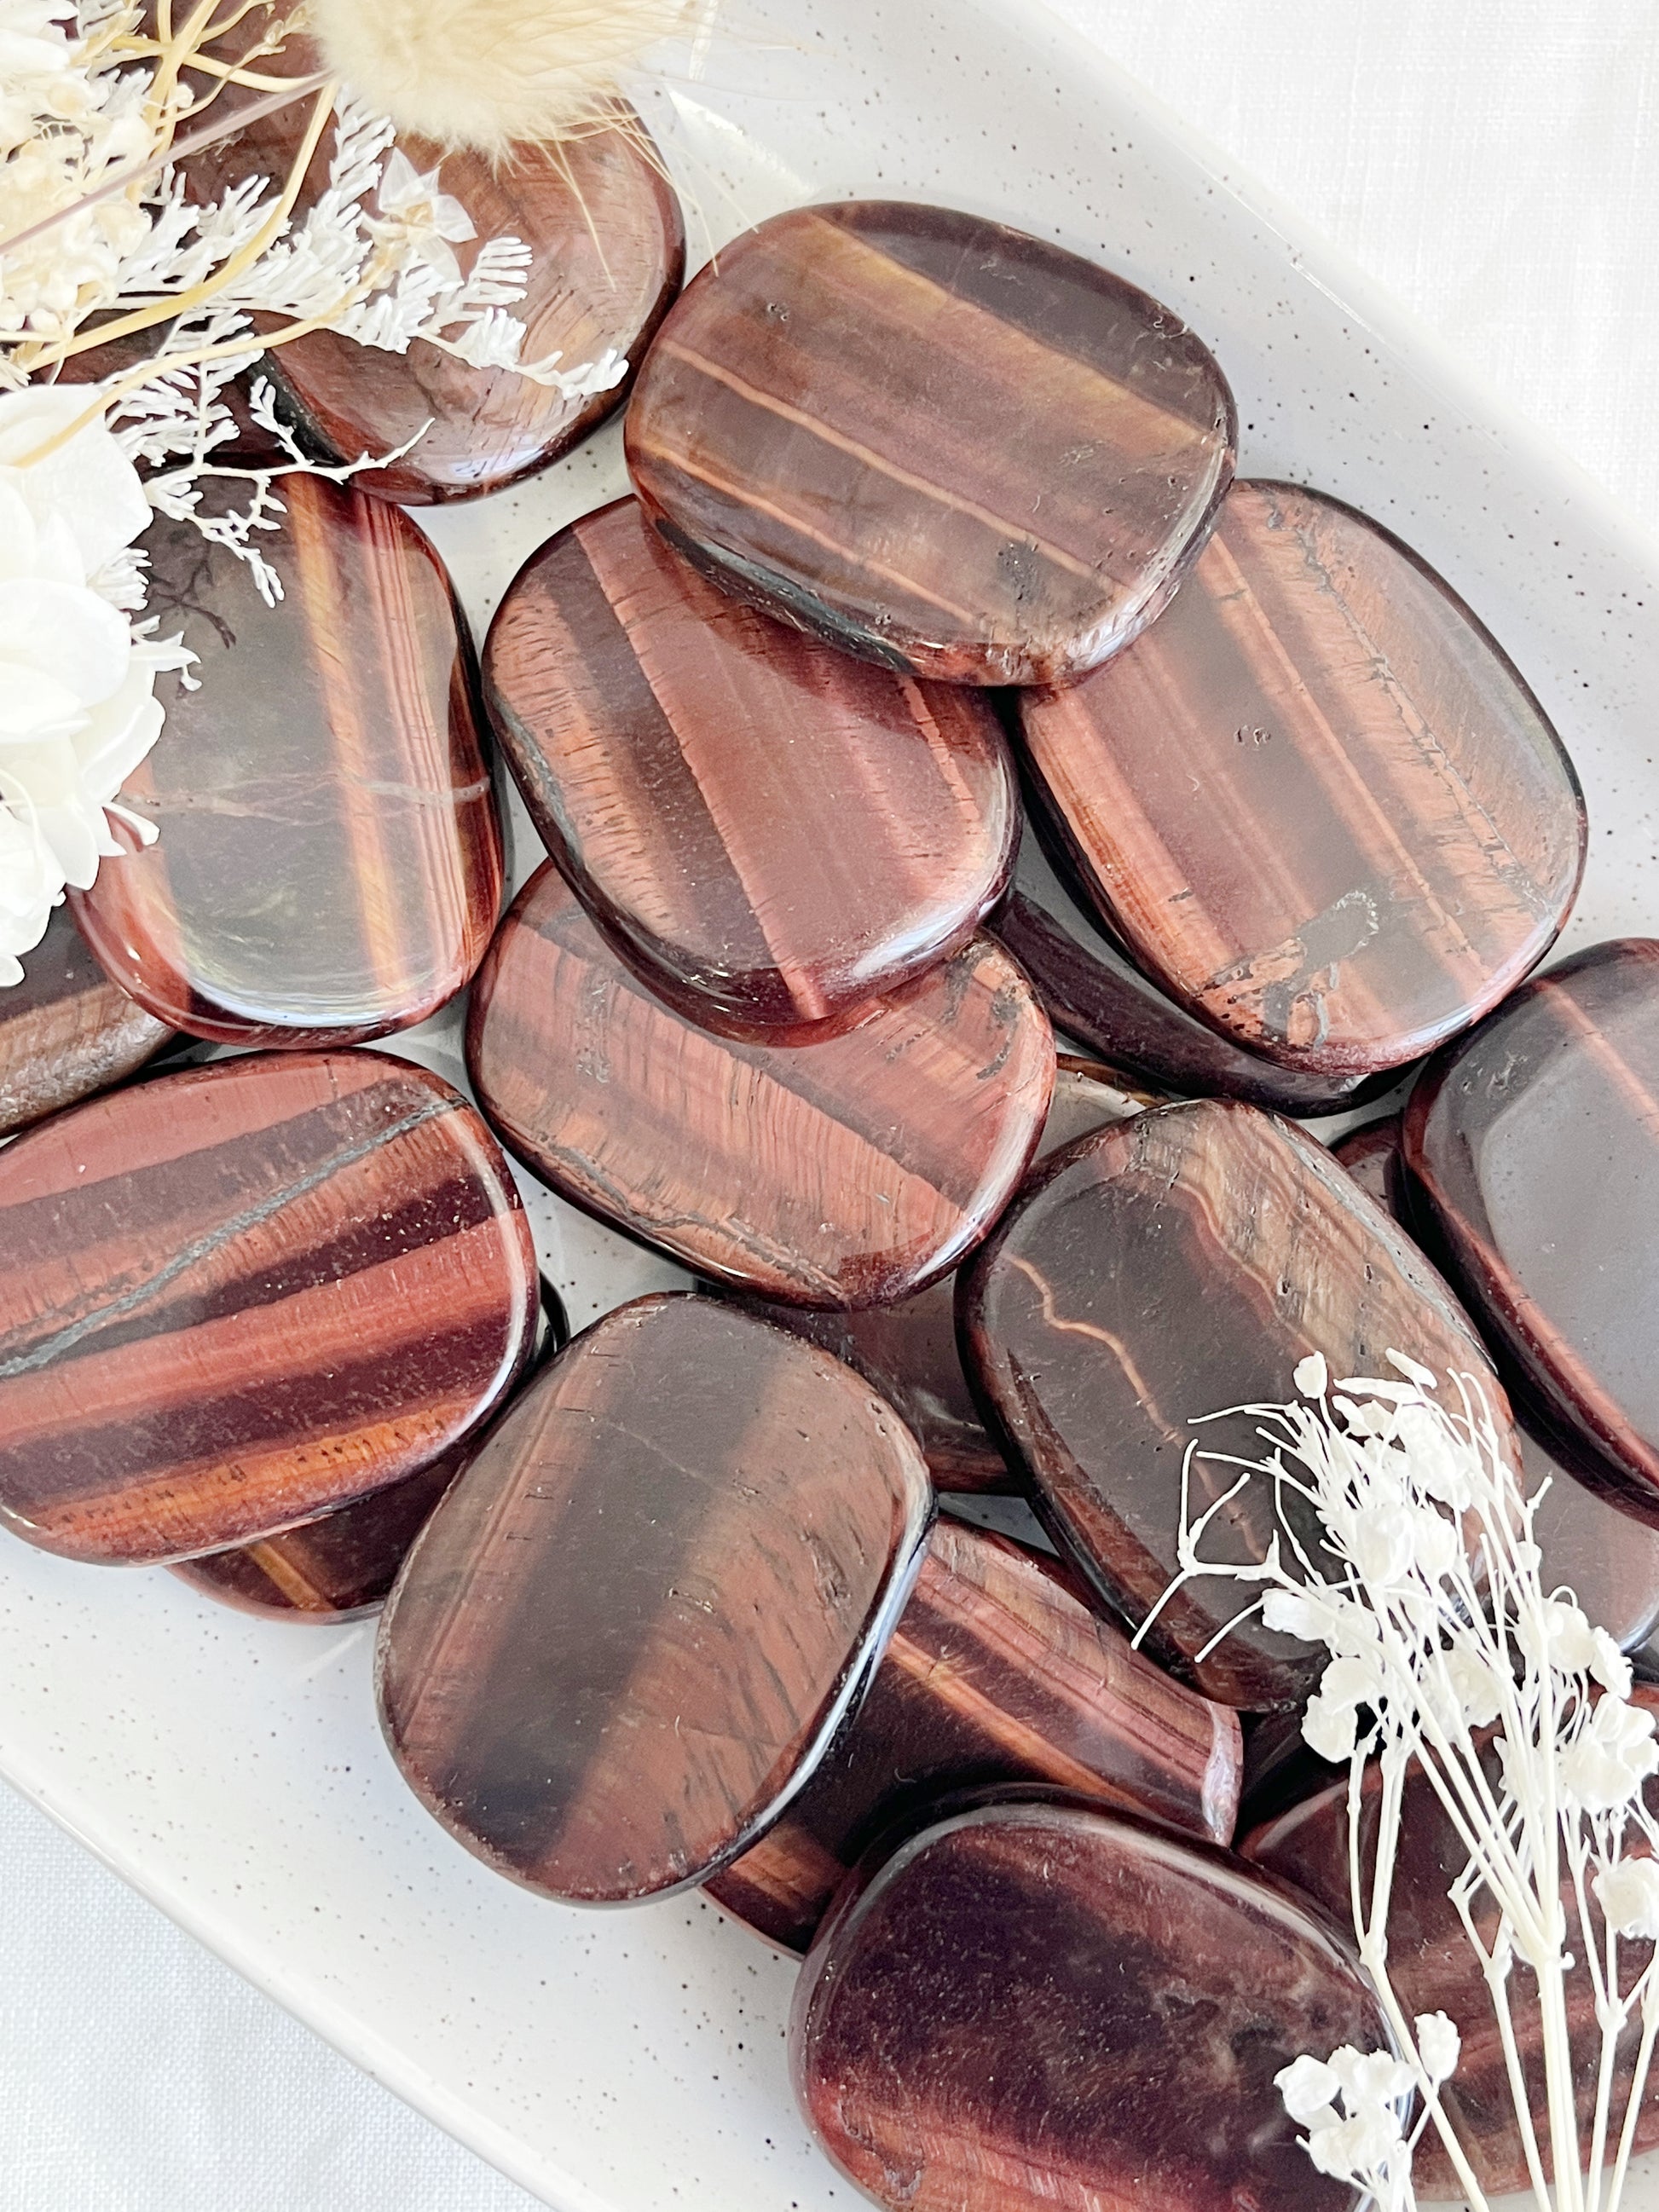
x=996 y=1674
x=1316 y=801
x=1165 y=1269
x=842 y=1173
x=66 y=1030
x=937 y=442
x=1536 y=1144
x=1434 y=1968
x=774 y=832
x=1609 y=1561
x=1099 y=996
x=329 y=866
x=329 y=1570
x=236 y=1298
x=1037 y=2006
x=909 y=1350
x=639 y=1617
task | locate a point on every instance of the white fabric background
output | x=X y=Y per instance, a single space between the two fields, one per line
x=1496 y=163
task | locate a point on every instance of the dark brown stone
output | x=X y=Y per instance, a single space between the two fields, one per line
x=941 y=444
x=237 y=1296
x=1171 y=1268
x=640 y=1617
x=334 y=1569
x=847 y=1172
x=1099 y=996
x=1036 y=2006
x=1609 y=1561
x=329 y=866
x=773 y=833
x=1316 y=801
x=66 y=1030
x=909 y=1350
x=1535 y=1142
x=1434 y=1968
x=997 y=1673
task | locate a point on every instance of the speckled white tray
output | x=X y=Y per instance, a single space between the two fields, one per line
x=231 y=1770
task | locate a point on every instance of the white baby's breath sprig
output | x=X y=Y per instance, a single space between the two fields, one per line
x=1447 y=1651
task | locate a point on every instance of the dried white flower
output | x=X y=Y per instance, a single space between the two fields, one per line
x=1439 y=2046
x=1608 y=1761
x=1628 y=1893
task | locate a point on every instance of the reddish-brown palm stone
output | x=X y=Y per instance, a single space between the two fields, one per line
x=943 y=445
x=608 y=249
x=996 y=1674
x=1609 y=1561
x=1037 y=2006
x=1170 y=1268
x=237 y=1296
x=1316 y=801
x=66 y=1030
x=329 y=865
x=909 y=1350
x=332 y=1569
x=639 y=1617
x=1102 y=999
x=1433 y=1968
x=774 y=832
x=843 y=1173
x=1536 y=1142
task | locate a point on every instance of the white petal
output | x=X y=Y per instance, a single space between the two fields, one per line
x=90 y=481
x=1311 y=1375
x=34 y=706
x=1439 y=2046
x=68 y=632
x=1307 y=2088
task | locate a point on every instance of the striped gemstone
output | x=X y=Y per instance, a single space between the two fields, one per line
x=775 y=834
x=945 y=446
x=236 y=1298
x=66 y=1030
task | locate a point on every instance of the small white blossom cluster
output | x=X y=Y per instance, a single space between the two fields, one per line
x=1446 y=1651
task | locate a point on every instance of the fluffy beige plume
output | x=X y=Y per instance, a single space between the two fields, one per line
x=487 y=73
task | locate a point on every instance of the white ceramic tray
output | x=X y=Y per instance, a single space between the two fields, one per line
x=231 y=1770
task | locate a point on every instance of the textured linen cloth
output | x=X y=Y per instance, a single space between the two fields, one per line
x=1496 y=163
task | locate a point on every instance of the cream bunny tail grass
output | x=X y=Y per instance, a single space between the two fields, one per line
x=487 y=73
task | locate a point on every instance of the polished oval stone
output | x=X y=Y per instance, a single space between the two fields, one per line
x=329 y=866
x=996 y=1674
x=942 y=444
x=235 y=1298
x=66 y=1030
x=842 y=1173
x=909 y=1350
x=607 y=247
x=330 y=1569
x=1609 y=1561
x=1536 y=1144
x=1316 y=801
x=1433 y=1968
x=1037 y=2006
x=636 y=1622
x=1166 y=1270
x=1102 y=999
x=775 y=834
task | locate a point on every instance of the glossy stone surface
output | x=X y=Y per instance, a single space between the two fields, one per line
x=1610 y=1561
x=330 y=1569
x=909 y=1350
x=1037 y=2006
x=235 y=1298
x=996 y=1674
x=605 y=230
x=329 y=866
x=1099 y=997
x=774 y=832
x=1389 y=834
x=66 y=1030
x=1168 y=1269
x=638 y=1619
x=940 y=443
x=842 y=1173
x=1434 y=1969
x=1536 y=1144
